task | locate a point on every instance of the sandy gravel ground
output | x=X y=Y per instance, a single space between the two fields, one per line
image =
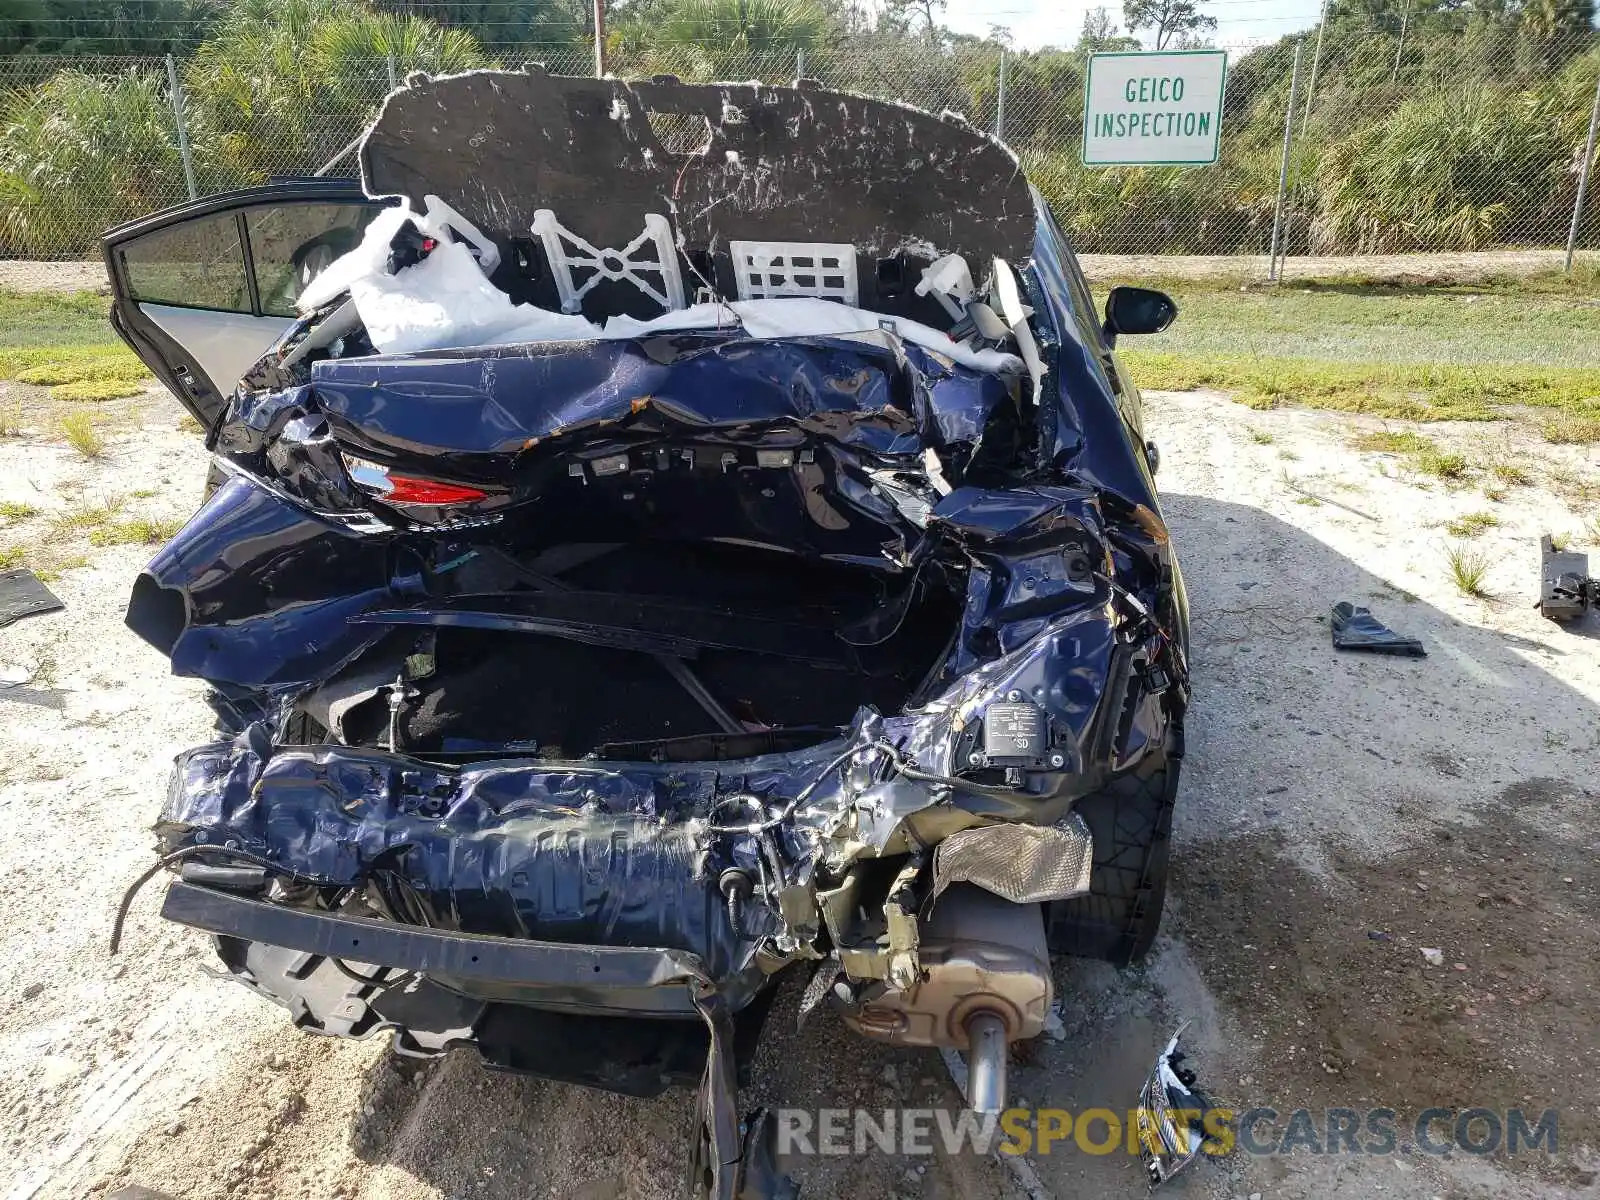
x=25 y=275
x=1339 y=815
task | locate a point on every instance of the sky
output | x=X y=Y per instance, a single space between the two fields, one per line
x=1036 y=23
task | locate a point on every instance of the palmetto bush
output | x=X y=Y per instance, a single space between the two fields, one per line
x=282 y=85
x=704 y=40
x=82 y=152
x=1460 y=169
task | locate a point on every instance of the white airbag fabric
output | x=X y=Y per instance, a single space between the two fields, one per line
x=446 y=301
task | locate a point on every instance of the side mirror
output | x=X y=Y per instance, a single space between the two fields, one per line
x=1138 y=310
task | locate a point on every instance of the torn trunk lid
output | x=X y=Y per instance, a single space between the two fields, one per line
x=727 y=163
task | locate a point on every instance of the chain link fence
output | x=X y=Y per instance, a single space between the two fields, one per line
x=1396 y=143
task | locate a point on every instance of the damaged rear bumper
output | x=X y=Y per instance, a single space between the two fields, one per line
x=609 y=976
x=434 y=989
x=353 y=977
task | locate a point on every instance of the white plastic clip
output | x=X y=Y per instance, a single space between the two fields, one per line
x=611 y=264
x=949 y=279
x=437 y=215
x=825 y=270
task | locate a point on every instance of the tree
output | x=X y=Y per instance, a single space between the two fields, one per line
x=724 y=39
x=1558 y=26
x=1100 y=32
x=102 y=26
x=284 y=83
x=1179 y=21
x=900 y=12
x=501 y=23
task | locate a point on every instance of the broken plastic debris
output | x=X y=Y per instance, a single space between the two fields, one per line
x=1435 y=958
x=447 y=301
x=949 y=279
x=23 y=595
x=1565 y=590
x=1355 y=628
x=1169 y=1129
x=1054 y=1027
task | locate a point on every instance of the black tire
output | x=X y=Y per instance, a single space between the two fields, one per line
x=1131 y=820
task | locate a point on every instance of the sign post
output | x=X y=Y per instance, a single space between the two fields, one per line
x=1162 y=109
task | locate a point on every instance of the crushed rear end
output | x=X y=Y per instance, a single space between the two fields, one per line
x=587 y=661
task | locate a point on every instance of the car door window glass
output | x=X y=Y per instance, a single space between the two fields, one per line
x=198 y=263
x=291 y=244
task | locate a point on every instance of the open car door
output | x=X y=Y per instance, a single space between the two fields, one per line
x=201 y=290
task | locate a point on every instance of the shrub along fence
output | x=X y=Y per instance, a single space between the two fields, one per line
x=1469 y=142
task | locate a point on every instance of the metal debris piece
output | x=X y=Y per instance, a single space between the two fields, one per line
x=22 y=595
x=1355 y=628
x=1566 y=590
x=1170 y=1115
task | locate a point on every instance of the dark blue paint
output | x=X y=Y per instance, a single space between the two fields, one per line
x=480 y=410
x=268 y=590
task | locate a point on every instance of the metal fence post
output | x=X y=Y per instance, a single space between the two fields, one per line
x=1283 y=166
x=1405 y=19
x=799 y=62
x=183 y=134
x=1316 y=61
x=394 y=78
x=1000 y=102
x=1583 y=177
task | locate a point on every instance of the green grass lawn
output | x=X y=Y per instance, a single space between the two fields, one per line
x=1412 y=352
x=1388 y=326
x=50 y=319
x=1418 y=352
x=65 y=342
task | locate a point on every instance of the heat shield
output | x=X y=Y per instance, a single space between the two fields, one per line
x=1026 y=864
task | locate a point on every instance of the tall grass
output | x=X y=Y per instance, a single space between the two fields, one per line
x=279 y=88
x=1477 y=143
x=282 y=85
x=81 y=153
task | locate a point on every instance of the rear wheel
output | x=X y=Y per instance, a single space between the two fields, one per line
x=1131 y=820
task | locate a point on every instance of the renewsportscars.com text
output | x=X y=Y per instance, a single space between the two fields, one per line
x=1260 y=1131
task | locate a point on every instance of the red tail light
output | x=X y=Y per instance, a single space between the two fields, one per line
x=407 y=489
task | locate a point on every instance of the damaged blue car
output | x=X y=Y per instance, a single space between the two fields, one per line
x=660 y=536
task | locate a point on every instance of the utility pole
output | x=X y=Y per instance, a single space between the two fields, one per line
x=599 y=39
x=1316 y=61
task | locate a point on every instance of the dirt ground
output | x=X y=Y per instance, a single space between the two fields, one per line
x=1339 y=816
